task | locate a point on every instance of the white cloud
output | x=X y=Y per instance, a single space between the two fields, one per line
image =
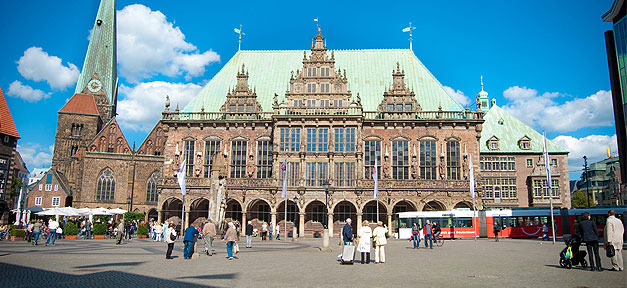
x=542 y=111
x=142 y=105
x=36 y=155
x=149 y=45
x=37 y=65
x=592 y=146
x=19 y=90
x=458 y=96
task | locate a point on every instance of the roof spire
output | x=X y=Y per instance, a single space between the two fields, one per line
x=481 y=82
x=411 y=39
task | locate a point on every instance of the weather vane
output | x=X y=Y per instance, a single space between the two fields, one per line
x=239 y=31
x=318 y=24
x=409 y=29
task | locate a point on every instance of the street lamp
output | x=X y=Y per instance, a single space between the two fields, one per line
x=585 y=168
x=293 y=220
x=326 y=185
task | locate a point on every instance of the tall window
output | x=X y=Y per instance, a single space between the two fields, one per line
x=74 y=150
x=400 y=160
x=344 y=139
x=345 y=174
x=316 y=173
x=293 y=174
x=311 y=139
x=289 y=140
x=428 y=160
x=188 y=155
x=317 y=139
x=106 y=186
x=344 y=212
x=151 y=188
x=238 y=159
x=212 y=147
x=452 y=160
x=77 y=129
x=264 y=159
x=500 y=187
x=372 y=149
x=56 y=201
x=541 y=189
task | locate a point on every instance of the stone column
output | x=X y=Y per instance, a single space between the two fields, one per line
x=301 y=224
x=159 y=216
x=358 y=222
x=186 y=221
x=244 y=223
x=330 y=223
x=390 y=225
x=273 y=219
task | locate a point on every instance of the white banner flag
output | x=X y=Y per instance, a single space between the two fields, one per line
x=547 y=164
x=375 y=176
x=472 y=178
x=180 y=175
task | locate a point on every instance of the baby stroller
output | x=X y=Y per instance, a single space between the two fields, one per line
x=576 y=256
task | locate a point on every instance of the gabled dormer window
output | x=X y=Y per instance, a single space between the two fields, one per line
x=524 y=143
x=493 y=143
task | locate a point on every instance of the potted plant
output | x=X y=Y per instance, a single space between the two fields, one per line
x=17 y=234
x=99 y=230
x=142 y=231
x=70 y=230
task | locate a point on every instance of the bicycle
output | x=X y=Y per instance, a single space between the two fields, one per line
x=439 y=241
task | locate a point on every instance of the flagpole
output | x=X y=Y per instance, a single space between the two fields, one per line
x=285 y=221
x=548 y=183
x=471 y=177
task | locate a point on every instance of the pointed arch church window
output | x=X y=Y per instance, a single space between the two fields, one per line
x=106 y=186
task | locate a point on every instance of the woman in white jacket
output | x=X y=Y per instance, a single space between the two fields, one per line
x=380 y=240
x=169 y=234
x=365 y=233
x=158 y=232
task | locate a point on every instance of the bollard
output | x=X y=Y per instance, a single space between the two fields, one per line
x=325 y=241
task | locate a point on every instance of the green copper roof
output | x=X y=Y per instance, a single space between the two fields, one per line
x=369 y=72
x=509 y=131
x=101 y=54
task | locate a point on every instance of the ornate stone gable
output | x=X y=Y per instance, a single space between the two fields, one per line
x=399 y=99
x=154 y=142
x=318 y=85
x=241 y=98
x=96 y=88
x=110 y=140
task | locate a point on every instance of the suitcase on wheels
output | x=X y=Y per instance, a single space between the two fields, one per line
x=348 y=255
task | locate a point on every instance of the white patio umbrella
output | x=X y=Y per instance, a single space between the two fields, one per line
x=24 y=221
x=52 y=212
x=100 y=211
x=117 y=211
x=27 y=212
x=69 y=211
x=83 y=211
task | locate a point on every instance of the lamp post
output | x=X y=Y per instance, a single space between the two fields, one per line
x=585 y=168
x=325 y=233
x=294 y=221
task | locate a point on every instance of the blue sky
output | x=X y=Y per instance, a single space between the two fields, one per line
x=544 y=61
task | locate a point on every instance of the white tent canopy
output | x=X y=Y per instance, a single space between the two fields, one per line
x=117 y=211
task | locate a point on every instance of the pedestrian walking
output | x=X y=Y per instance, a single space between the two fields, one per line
x=52 y=232
x=496 y=230
x=277 y=231
x=209 y=233
x=270 y=230
x=365 y=243
x=591 y=238
x=264 y=231
x=415 y=235
x=37 y=228
x=614 y=231
x=428 y=235
x=170 y=237
x=231 y=240
x=120 y=234
x=178 y=229
x=188 y=241
x=158 y=232
x=545 y=232
x=249 y=234
x=380 y=240
x=88 y=229
x=347 y=232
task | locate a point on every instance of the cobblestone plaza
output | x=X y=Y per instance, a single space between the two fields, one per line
x=461 y=263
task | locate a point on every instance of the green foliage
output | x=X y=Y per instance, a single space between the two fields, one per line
x=580 y=200
x=130 y=216
x=16 y=184
x=13 y=226
x=100 y=228
x=70 y=229
x=102 y=218
x=142 y=230
x=18 y=232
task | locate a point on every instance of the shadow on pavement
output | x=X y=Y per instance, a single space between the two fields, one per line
x=216 y=276
x=22 y=276
x=111 y=264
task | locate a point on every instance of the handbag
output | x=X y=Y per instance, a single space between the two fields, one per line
x=610 y=252
x=172 y=237
x=235 y=248
x=569 y=253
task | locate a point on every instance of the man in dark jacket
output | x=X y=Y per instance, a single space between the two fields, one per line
x=188 y=240
x=249 y=235
x=590 y=235
x=347 y=232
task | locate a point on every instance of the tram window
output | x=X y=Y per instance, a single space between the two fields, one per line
x=403 y=222
x=463 y=222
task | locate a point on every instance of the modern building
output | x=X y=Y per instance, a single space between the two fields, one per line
x=317 y=121
x=603 y=182
x=8 y=145
x=616 y=45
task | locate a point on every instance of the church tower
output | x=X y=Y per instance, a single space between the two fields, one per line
x=101 y=59
x=93 y=103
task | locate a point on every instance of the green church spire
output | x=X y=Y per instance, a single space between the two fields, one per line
x=101 y=56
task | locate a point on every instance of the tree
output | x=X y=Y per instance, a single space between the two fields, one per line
x=16 y=185
x=580 y=200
